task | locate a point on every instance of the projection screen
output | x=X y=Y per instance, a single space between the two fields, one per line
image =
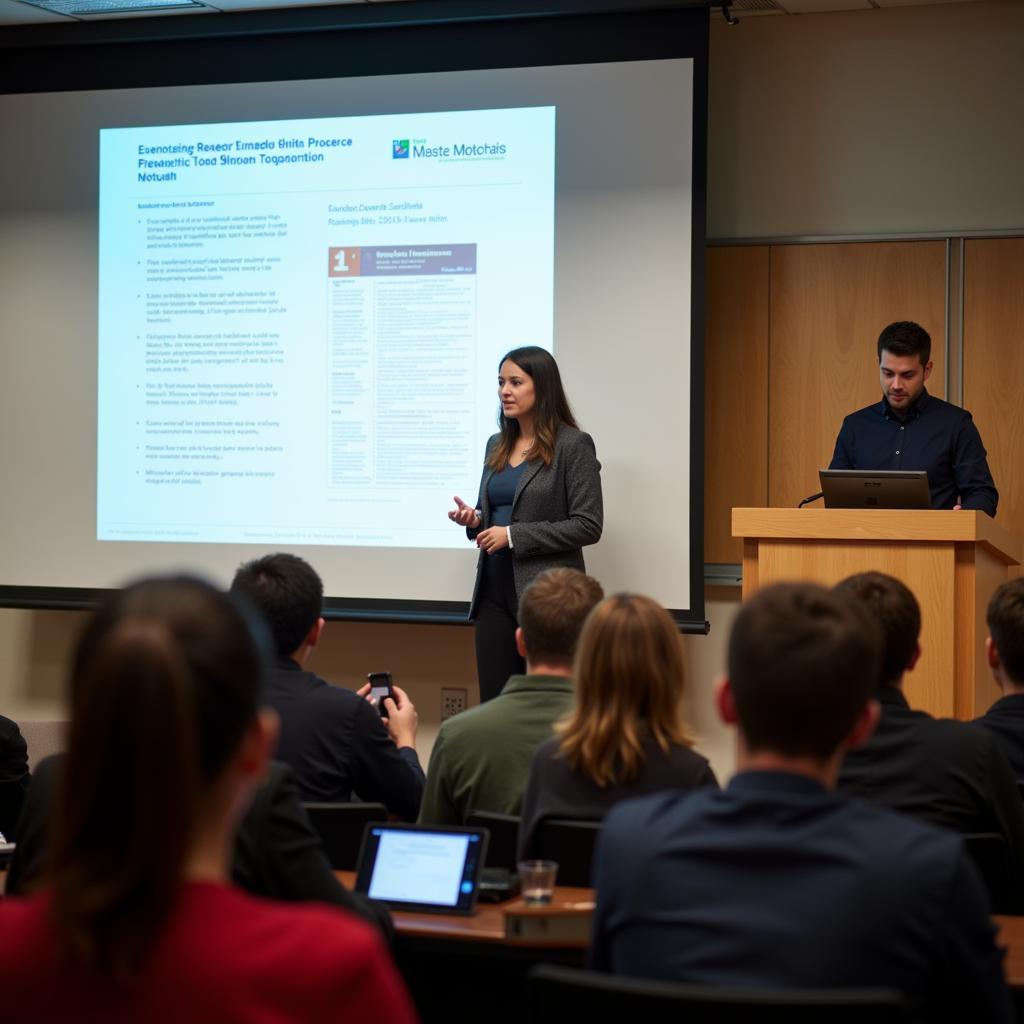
x=257 y=305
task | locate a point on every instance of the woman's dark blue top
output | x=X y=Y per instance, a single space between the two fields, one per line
x=501 y=492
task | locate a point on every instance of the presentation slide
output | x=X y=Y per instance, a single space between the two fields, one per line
x=291 y=315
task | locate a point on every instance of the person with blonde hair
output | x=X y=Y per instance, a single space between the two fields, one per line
x=135 y=919
x=626 y=735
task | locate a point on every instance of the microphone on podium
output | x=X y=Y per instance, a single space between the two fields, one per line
x=813 y=497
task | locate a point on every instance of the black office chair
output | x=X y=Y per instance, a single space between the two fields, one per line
x=504 y=841
x=558 y=994
x=341 y=827
x=992 y=859
x=570 y=842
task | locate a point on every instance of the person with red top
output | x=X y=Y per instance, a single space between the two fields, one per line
x=136 y=919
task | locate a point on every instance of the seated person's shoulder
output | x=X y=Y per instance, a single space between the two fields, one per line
x=907 y=851
x=308 y=947
x=469 y=725
x=652 y=815
x=329 y=695
x=968 y=738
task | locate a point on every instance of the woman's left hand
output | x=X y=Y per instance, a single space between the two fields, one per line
x=492 y=539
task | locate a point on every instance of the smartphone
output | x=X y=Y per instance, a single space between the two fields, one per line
x=380 y=687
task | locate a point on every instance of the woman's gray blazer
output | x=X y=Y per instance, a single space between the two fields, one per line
x=556 y=511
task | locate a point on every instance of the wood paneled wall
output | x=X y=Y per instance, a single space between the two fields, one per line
x=791 y=350
x=828 y=305
x=736 y=391
x=994 y=364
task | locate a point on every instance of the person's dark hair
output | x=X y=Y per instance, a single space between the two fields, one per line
x=289 y=593
x=629 y=680
x=891 y=604
x=905 y=338
x=1005 y=617
x=803 y=662
x=552 y=611
x=550 y=410
x=165 y=681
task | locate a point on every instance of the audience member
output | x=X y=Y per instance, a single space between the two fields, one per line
x=136 y=922
x=277 y=853
x=776 y=881
x=334 y=741
x=626 y=735
x=481 y=757
x=1005 y=651
x=943 y=771
x=14 y=776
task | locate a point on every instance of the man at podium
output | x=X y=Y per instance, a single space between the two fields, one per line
x=910 y=429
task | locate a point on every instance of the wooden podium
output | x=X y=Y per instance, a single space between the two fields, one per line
x=952 y=561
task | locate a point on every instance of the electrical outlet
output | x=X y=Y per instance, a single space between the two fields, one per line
x=452 y=702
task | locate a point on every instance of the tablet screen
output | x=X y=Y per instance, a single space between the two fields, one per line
x=421 y=867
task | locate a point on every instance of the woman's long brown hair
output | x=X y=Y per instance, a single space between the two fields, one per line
x=551 y=408
x=629 y=679
x=164 y=682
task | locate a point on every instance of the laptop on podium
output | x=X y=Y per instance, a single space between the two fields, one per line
x=875 y=488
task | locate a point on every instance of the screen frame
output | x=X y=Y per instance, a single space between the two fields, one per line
x=382 y=39
x=470 y=868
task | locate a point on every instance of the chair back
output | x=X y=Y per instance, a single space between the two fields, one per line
x=504 y=831
x=558 y=994
x=992 y=859
x=341 y=827
x=570 y=842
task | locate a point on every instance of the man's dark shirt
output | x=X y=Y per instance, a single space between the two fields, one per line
x=337 y=746
x=934 y=436
x=14 y=776
x=774 y=882
x=949 y=773
x=1005 y=720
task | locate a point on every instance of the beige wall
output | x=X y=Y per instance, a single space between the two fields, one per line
x=865 y=123
x=903 y=119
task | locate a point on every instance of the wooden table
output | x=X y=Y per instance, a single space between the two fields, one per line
x=486 y=924
x=1011 y=937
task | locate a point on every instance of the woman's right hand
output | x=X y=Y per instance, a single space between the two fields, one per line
x=464 y=515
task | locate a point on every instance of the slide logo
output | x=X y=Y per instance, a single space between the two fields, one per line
x=399 y=149
x=344 y=262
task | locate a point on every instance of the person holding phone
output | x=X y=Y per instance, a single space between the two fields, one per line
x=538 y=506
x=334 y=740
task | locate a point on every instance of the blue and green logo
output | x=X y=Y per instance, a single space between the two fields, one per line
x=399 y=149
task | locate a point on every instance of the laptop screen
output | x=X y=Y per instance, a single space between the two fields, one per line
x=421 y=867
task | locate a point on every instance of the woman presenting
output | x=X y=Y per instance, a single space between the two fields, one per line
x=539 y=504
